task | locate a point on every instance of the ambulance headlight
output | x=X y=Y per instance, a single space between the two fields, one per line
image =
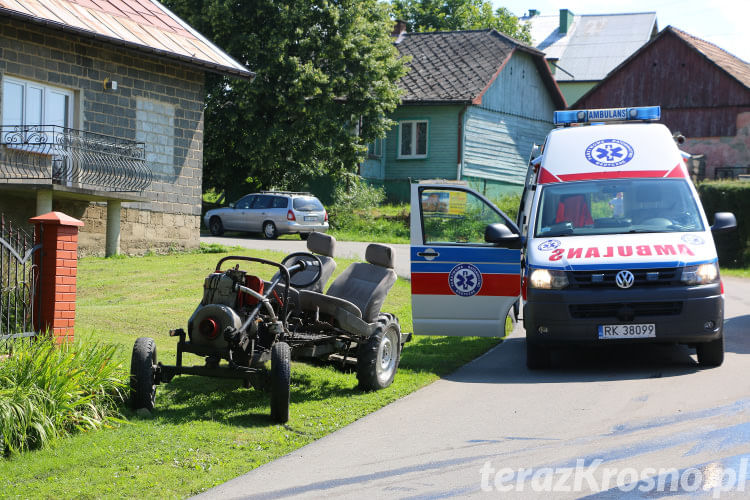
x=548 y=279
x=701 y=274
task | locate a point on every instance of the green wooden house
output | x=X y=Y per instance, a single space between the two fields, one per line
x=474 y=103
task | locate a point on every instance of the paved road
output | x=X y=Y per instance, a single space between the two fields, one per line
x=639 y=408
x=345 y=249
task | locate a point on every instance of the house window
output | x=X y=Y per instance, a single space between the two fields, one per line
x=413 y=139
x=29 y=103
x=375 y=149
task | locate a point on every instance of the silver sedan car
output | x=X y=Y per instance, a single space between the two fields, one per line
x=272 y=213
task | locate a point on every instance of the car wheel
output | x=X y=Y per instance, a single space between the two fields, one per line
x=537 y=356
x=280 y=380
x=269 y=231
x=143 y=374
x=711 y=353
x=215 y=226
x=304 y=236
x=378 y=358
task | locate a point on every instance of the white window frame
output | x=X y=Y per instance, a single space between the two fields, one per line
x=46 y=90
x=375 y=149
x=413 y=155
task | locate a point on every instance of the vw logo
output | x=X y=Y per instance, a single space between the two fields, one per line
x=624 y=279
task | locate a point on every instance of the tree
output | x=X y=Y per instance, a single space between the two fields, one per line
x=453 y=15
x=324 y=69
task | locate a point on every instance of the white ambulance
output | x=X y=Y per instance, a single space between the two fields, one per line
x=612 y=245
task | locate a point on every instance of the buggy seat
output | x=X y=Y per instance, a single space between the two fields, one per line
x=355 y=297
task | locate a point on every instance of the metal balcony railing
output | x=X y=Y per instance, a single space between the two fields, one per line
x=73 y=158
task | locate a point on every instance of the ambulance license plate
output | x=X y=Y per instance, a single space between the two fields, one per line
x=639 y=331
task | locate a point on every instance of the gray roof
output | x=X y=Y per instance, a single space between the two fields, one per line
x=457 y=66
x=594 y=44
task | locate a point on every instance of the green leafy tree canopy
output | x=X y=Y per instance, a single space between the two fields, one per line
x=324 y=68
x=454 y=15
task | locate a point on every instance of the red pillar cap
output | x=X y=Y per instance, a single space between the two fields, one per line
x=56 y=218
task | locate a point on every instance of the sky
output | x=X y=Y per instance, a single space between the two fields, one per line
x=725 y=23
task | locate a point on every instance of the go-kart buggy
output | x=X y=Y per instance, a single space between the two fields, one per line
x=346 y=323
x=240 y=320
x=243 y=321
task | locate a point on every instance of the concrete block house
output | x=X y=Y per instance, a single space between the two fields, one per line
x=101 y=106
x=709 y=103
x=474 y=103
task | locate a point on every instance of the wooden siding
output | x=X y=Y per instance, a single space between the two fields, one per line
x=498 y=145
x=697 y=98
x=442 y=143
x=519 y=90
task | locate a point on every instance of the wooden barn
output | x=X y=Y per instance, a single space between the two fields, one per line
x=474 y=103
x=703 y=91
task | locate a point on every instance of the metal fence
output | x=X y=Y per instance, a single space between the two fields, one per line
x=19 y=278
x=74 y=158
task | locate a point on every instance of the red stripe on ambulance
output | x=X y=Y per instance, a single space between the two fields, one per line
x=497 y=285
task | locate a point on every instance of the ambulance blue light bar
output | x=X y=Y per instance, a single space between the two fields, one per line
x=607 y=115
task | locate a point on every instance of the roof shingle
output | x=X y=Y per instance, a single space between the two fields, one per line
x=733 y=65
x=453 y=66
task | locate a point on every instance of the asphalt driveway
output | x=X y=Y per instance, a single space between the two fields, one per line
x=344 y=249
x=643 y=414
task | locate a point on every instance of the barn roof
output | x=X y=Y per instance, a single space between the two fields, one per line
x=144 y=25
x=594 y=44
x=458 y=66
x=736 y=67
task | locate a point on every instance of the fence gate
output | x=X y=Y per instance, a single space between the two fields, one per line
x=18 y=281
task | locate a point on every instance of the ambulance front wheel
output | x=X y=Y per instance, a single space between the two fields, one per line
x=537 y=356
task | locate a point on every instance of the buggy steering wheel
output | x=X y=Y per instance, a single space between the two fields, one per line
x=311 y=262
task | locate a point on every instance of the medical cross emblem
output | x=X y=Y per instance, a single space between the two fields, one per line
x=465 y=280
x=609 y=153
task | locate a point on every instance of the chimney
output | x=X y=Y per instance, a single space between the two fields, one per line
x=398 y=29
x=533 y=12
x=566 y=21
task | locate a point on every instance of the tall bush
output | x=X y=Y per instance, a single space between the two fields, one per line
x=729 y=196
x=353 y=200
x=49 y=391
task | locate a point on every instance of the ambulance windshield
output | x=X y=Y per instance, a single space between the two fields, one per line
x=617 y=206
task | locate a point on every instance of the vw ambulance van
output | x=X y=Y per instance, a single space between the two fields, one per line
x=611 y=245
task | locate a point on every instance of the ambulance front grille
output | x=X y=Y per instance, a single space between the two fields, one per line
x=669 y=276
x=625 y=311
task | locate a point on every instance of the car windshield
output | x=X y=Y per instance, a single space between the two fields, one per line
x=617 y=207
x=307 y=204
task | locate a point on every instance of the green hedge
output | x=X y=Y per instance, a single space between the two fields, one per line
x=729 y=196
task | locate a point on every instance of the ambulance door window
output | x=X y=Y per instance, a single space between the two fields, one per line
x=452 y=216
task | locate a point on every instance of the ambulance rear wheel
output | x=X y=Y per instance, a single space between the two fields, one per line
x=537 y=356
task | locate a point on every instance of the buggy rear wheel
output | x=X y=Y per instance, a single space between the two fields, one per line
x=143 y=374
x=280 y=380
x=378 y=358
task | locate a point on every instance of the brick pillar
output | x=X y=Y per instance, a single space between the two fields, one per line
x=56 y=289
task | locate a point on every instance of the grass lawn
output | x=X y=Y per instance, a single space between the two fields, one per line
x=204 y=431
x=736 y=272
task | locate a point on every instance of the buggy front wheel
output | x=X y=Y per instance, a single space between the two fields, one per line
x=143 y=374
x=281 y=360
x=378 y=357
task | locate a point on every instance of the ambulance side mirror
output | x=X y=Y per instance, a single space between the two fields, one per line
x=501 y=235
x=723 y=221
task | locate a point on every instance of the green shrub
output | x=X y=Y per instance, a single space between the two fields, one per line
x=729 y=196
x=509 y=204
x=353 y=199
x=49 y=391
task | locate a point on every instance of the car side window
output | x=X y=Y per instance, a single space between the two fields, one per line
x=280 y=202
x=263 y=202
x=245 y=202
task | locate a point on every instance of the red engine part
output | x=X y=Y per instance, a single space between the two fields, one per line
x=254 y=283
x=209 y=328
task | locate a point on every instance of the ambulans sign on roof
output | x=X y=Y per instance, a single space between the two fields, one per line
x=613 y=151
x=606 y=115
